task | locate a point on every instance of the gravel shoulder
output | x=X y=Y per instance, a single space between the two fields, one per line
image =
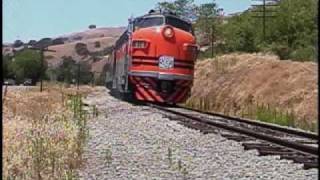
x=136 y=142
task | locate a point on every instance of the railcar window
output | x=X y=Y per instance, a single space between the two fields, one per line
x=179 y=24
x=149 y=22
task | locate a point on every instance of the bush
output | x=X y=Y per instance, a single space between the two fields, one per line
x=69 y=71
x=92 y=26
x=81 y=49
x=6 y=67
x=44 y=43
x=32 y=42
x=304 y=54
x=97 y=44
x=57 y=41
x=282 y=51
x=292 y=33
x=17 y=43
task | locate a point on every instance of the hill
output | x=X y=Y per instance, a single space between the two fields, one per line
x=95 y=41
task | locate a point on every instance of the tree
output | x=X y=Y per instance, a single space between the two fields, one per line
x=183 y=8
x=43 y=43
x=58 y=41
x=67 y=70
x=92 y=26
x=27 y=64
x=32 y=42
x=81 y=49
x=207 y=21
x=17 y=43
x=85 y=74
x=70 y=70
x=6 y=67
x=296 y=28
x=291 y=33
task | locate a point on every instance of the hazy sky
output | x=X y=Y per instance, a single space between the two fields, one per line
x=35 y=19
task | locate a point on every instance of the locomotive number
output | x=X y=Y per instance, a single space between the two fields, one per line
x=166 y=62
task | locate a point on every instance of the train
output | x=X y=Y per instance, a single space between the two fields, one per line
x=154 y=59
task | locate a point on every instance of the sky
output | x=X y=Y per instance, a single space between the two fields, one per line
x=36 y=19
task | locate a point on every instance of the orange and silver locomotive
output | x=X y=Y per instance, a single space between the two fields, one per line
x=153 y=60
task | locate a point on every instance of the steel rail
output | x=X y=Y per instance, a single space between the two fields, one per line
x=259 y=123
x=293 y=145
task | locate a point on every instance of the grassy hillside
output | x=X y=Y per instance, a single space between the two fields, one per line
x=258 y=86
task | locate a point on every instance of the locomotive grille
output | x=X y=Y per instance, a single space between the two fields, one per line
x=151 y=61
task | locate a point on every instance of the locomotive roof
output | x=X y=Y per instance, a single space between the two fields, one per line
x=161 y=14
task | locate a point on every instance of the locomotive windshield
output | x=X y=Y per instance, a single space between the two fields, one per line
x=175 y=22
x=145 y=22
x=148 y=22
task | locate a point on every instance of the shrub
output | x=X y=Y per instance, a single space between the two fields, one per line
x=57 y=41
x=282 y=51
x=92 y=26
x=97 y=44
x=81 y=49
x=17 y=43
x=44 y=43
x=304 y=54
x=69 y=70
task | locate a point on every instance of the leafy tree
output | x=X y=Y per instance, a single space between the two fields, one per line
x=207 y=21
x=32 y=42
x=166 y=6
x=291 y=34
x=183 y=8
x=92 y=26
x=69 y=70
x=239 y=34
x=43 y=43
x=6 y=67
x=17 y=43
x=81 y=49
x=85 y=74
x=27 y=64
x=296 y=28
x=58 y=41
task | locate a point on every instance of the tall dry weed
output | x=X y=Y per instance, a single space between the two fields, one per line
x=41 y=135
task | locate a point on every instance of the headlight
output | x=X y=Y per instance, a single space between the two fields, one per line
x=168 y=32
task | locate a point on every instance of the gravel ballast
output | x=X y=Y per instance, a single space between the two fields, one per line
x=137 y=142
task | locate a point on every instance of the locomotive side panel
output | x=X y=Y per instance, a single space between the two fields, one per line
x=120 y=79
x=109 y=70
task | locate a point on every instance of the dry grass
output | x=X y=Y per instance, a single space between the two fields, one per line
x=41 y=136
x=237 y=84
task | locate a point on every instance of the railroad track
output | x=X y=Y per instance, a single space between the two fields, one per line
x=268 y=139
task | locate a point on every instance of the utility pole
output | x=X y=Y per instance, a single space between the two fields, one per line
x=42 y=50
x=264 y=8
x=212 y=41
x=78 y=75
x=41 y=68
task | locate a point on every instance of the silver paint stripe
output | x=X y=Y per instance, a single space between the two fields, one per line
x=162 y=76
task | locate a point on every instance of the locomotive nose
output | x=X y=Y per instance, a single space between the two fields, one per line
x=166 y=86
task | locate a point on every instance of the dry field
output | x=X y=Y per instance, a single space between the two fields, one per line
x=258 y=86
x=43 y=133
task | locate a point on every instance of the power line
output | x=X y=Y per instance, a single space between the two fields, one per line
x=266 y=11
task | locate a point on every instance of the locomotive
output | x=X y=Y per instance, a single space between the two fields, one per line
x=153 y=60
